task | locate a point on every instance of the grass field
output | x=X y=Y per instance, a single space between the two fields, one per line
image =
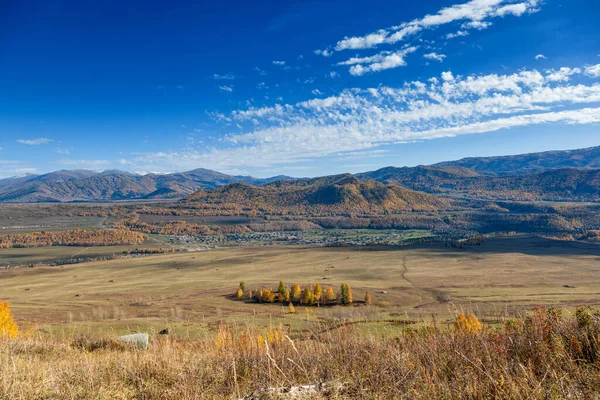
x=191 y=291
x=219 y=347
x=40 y=255
x=48 y=223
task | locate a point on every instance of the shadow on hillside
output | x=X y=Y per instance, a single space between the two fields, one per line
x=523 y=244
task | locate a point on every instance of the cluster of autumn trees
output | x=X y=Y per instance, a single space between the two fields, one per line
x=75 y=237
x=309 y=295
x=182 y=227
x=177 y=227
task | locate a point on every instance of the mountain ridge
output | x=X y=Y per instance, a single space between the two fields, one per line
x=473 y=176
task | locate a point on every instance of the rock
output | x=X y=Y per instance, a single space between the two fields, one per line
x=382 y=292
x=164 y=332
x=320 y=390
x=137 y=340
x=290 y=392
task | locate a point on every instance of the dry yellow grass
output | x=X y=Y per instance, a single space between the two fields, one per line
x=541 y=356
x=214 y=350
x=505 y=273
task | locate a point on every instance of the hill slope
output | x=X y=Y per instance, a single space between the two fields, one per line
x=530 y=163
x=565 y=184
x=332 y=194
x=431 y=179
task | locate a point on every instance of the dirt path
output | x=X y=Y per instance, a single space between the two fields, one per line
x=438 y=295
x=100 y=224
x=80 y=251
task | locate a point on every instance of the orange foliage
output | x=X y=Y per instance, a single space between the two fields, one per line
x=8 y=328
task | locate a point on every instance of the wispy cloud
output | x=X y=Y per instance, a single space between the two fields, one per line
x=279 y=62
x=454 y=35
x=35 y=142
x=541 y=57
x=593 y=70
x=358 y=119
x=65 y=151
x=474 y=14
x=435 y=56
x=229 y=77
x=261 y=72
x=84 y=163
x=379 y=62
x=226 y=88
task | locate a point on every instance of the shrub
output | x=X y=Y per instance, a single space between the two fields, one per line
x=8 y=328
x=468 y=323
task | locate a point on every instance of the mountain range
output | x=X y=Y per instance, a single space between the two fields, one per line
x=113 y=185
x=556 y=175
x=529 y=163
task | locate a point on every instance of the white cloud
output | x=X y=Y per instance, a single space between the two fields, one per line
x=447 y=76
x=260 y=71
x=61 y=150
x=457 y=34
x=279 y=62
x=541 y=57
x=12 y=169
x=358 y=120
x=435 y=56
x=85 y=163
x=379 y=62
x=316 y=92
x=226 y=88
x=225 y=77
x=479 y=25
x=474 y=14
x=35 y=142
x=593 y=70
x=562 y=75
x=333 y=75
x=324 y=53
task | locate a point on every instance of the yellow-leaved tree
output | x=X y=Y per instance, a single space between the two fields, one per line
x=468 y=323
x=8 y=327
x=296 y=292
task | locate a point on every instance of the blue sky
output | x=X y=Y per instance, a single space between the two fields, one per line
x=293 y=87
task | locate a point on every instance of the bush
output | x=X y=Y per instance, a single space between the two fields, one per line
x=468 y=323
x=8 y=328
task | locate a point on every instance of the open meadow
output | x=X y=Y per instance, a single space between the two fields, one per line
x=192 y=291
x=406 y=344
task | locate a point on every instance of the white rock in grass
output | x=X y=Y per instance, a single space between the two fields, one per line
x=138 y=340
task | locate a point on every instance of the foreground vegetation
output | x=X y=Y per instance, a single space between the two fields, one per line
x=541 y=355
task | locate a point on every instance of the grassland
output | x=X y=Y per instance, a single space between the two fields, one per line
x=191 y=291
x=402 y=346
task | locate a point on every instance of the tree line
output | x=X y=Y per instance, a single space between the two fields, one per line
x=75 y=237
x=310 y=295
